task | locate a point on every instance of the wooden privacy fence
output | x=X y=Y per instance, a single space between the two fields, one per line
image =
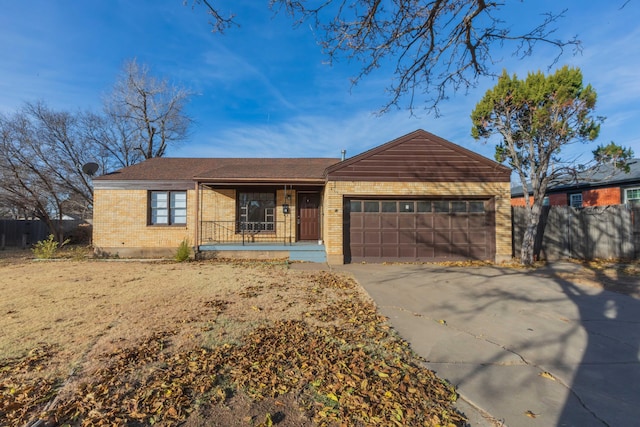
x=23 y=233
x=585 y=233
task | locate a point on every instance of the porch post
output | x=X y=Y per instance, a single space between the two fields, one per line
x=196 y=227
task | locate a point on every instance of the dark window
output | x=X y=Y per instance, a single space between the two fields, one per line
x=424 y=206
x=256 y=211
x=441 y=206
x=371 y=206
x=476 y=207
x=355 y=206
x=168 y=207
x=389 y=207
x=459 y=207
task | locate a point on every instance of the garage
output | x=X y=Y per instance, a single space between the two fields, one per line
x=378 y=230
x=417 y=198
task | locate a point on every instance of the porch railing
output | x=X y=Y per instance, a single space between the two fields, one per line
x=245 y=232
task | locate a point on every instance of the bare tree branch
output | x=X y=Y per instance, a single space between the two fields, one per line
x=150 y=108
x=436 y=47
x=219 y=24
x=41 y=156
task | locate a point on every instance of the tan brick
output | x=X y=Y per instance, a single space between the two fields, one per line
x=120 y=222
x=336 y=191
x=121 y=225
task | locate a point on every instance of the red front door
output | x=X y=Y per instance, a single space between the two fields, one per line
x=308 y=216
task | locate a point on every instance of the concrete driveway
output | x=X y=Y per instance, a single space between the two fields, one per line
x=526 y=348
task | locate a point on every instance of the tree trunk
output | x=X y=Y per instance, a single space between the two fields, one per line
x=532 y=219
x=528 y=243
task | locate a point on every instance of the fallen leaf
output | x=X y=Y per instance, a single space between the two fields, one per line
x=547 y=375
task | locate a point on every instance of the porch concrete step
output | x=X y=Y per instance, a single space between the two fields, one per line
x=297 y=252
x=309 y=255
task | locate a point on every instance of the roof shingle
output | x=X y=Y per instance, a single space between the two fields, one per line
x=223 y=169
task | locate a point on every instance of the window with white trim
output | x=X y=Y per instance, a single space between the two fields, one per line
x=575 y=200
x=632 y=195
x=168 y=207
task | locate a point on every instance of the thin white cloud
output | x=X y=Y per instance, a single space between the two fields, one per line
x=262 y=88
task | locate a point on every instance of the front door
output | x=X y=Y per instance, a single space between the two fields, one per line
x=308 y=216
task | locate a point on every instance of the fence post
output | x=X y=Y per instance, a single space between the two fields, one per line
x=24 y=240
x=2 y=241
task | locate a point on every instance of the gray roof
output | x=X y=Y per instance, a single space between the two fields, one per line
x=600 y=176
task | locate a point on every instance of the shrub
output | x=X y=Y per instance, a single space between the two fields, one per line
x=184 y=251
x=46 y=249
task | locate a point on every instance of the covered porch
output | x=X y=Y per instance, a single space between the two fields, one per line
x=261 y=209
x=260 y=219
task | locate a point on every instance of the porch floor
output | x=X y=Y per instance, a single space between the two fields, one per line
x=298 y=251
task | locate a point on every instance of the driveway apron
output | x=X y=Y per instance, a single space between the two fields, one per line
x=524 y=348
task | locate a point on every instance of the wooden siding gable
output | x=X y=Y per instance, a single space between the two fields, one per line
x=419 y=156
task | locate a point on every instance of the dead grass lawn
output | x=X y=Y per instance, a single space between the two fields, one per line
x=202 y=343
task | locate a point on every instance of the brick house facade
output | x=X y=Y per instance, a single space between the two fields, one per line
x=602 y=187
x=416 y=198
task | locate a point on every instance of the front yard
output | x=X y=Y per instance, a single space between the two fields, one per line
x=90 y=342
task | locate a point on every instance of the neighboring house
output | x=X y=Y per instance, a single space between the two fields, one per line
x=600 y=186
x=416 y=198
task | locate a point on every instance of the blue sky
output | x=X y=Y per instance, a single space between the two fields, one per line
x=265 y=89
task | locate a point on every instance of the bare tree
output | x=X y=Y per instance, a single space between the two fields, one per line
x=435 y=46
x=149 y=113
x=114 y=140
x=41 y=157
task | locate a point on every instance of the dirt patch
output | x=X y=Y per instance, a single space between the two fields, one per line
x=203 y=343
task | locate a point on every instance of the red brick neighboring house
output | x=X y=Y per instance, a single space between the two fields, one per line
x=606 y=186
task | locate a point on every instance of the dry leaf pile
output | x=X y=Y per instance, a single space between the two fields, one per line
x=18 y=398
x=342 y=361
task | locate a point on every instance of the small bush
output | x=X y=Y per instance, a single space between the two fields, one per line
x=184 y=251
x=46 y=249
x=76 y=253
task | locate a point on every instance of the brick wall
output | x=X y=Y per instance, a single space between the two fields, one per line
x=335 y=191
x=120 y=225
x=120 y=221
x=596 y=197
x=120 y=216
x=602 y=197
x=558 y=199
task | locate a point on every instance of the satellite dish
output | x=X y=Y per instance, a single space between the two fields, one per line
x=90 y=168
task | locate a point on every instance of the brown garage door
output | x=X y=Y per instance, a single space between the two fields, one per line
x=419 y=230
